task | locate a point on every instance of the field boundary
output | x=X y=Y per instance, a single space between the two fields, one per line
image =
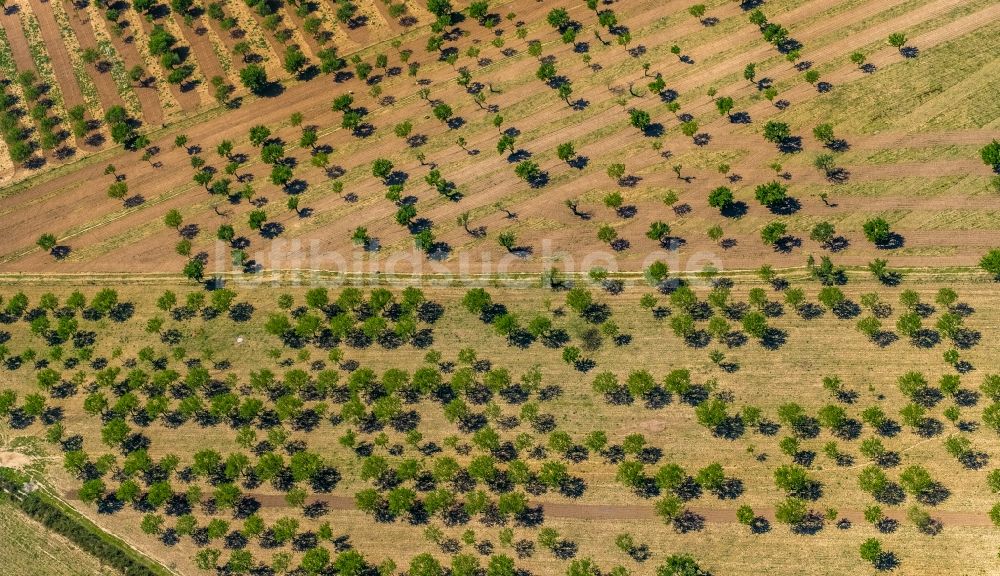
x=56 y=514
x=296 y=276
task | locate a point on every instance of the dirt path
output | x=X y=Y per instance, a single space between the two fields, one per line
x=604 y=512
x=189 y=99
x=107 y=91
x=202 y=54
x=18 y=43
x=62 y=65
x=152 y=109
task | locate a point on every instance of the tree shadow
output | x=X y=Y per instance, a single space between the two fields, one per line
x=837 y=244
x=838 y=145
x=439 y=251
x=522 y=251
x=672 y=243
x=60 y=252
x=364 y=130
x=397 y=177
x=579 y=162
x=539 y=181
x=785 y=207
x=740 y=118
x=626 y=212
x=735 y=210
x=654 y=130
x=296 y=186
x=518 y=155
x=909 y=52
x=773 y=338
x=790 y=145
x=786 y=244
x=892 y=242
x=271 y=230
x=419 y=225
x=668 y=95
x=838 y=175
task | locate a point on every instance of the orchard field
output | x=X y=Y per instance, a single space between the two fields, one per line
x=426 y=287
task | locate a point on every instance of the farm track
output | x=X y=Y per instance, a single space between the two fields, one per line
x=153 y=107
x=18 y=42
x=62 y=65
x=84 y=34
x=606 y=512
x=203 y=55
x=190 y=99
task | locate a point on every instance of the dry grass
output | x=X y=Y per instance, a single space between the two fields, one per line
x=31 y=550
x=766 y=379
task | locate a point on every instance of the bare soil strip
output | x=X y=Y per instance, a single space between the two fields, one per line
x=627 y=512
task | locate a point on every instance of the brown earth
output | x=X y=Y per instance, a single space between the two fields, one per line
x=626 y=512
x=152 y=109
x=106 y=242
x=106 y=90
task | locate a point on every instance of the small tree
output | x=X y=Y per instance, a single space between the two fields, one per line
x=871 y=550
x=824 y=133
x=897 y=40
x=658 y=231
x=382 y=168
x=771 y=193
x=990 y=262
x=825 y=162
x=46 y=242
x=194 y=269
x=173 y=219
x=507 y=239
x=256 y=219
x=639 y=119
x=566 y=152
x=505 y=144
x=724 y=105
x=443 y=112
x=715 y=233
x=721 y=198
x=360 y=236
x=616 y=171
x=776 y=132
x=773 y=232
x=877 y=230
x=254 y=78
x=822 y=232
x=991 y=155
